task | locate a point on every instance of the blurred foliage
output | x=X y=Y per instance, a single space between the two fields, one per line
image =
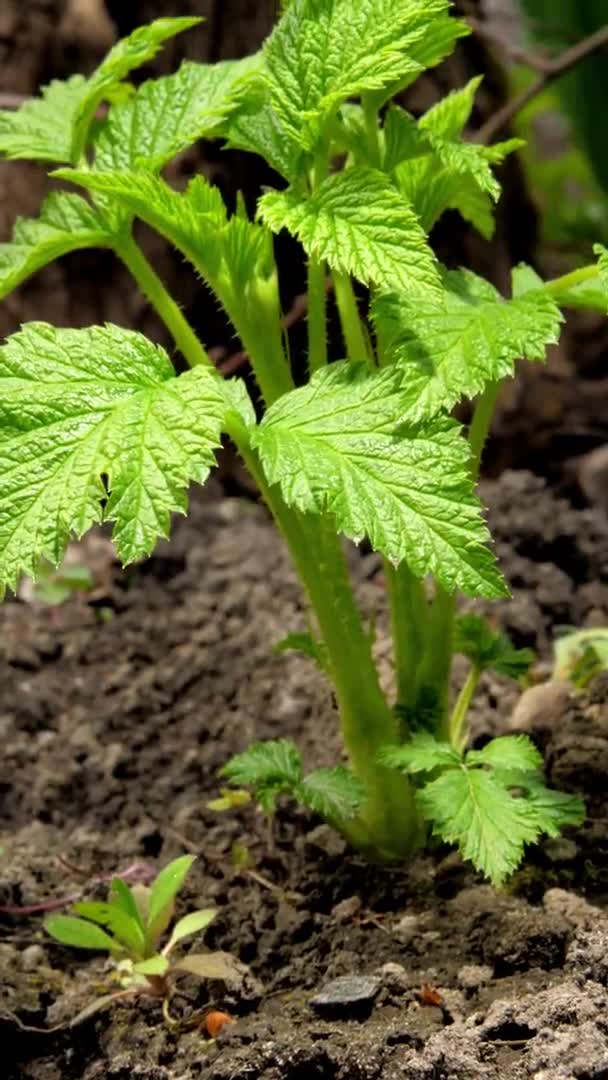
x=566 y=157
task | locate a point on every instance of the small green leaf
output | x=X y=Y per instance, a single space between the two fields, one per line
x=123 y=927
x=470 y=808
x=190 y=924
x=80 y=933
x=42 y=129
x=357 y=223
x=555 y=810
x=488 y=649
x=121 y=896
x=66 y=223
x=336 y=794
x=308 y=645
x=421 y=753
x=154 y=965
x=276 y=762
x=163 y=891
x=513 y=752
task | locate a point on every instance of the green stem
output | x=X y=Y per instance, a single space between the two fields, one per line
x=389 y=825
x=457 y=726
x=409 y=616
x=437 y=665
x=355 y=339
x=374 y=147
x=317 y=316
x=480 y=424
x=569 y=281
x=257 y=319
x=163 y=303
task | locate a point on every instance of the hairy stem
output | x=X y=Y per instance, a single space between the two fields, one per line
x=409 y=617
x=458 y=724
x=355 y=338
x=563 y=284
x=480 y=424
x=389 y=825
x=374 y=146
x=163 y=303
x=317 y=316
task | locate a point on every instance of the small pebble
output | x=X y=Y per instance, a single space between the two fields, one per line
x=346 y=909
x=407 y=928
x=541 y=708
x=349 y=995
x=33 y=957
x=472 y=976
x=395 y=977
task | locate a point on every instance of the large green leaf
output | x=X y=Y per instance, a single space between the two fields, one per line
x=78 y=932
x=335 y=447
x=452 y=347
x=325 y=51
x=78 y=406
x=167 y=115
x=358 y=224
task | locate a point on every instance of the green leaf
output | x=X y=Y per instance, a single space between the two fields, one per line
x=55 y=126
x=129 y=53
x=513 y=752
x=449 y=117
x=421 y=753
x=602 y=263
x=154 y=965
x=555 y=810
x=190 y=924
x=308 y=645
x=275 y=762
x=163 y=891
x=124 y=927
x=66 y=223
x=169 y=114
x=81 y=405
x=470 y=808
x=78 y=932
x=255 y=127
x=336 y=794
x=333 y=446
x=357 y=223
x=231 y=254
x=489 y=650
x=452 y=347
x=121 y=896
x=325 y=51
x=41 y=130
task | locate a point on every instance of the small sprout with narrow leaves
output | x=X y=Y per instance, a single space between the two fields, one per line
x=130 y=926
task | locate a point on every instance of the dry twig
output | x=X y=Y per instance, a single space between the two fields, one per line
x=547 y=69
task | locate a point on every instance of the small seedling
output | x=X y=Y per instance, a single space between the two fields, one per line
x=130 y=925
x=580 y=655
x=96 y=424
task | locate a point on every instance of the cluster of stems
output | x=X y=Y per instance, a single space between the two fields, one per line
x=422 y=622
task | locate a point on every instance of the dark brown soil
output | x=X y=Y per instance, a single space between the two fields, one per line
x=116 y=714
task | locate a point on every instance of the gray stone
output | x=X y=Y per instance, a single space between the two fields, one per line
x=33 y=958
x=541 y=708
x=349 y=995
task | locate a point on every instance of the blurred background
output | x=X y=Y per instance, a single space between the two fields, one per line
x=552 y=419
